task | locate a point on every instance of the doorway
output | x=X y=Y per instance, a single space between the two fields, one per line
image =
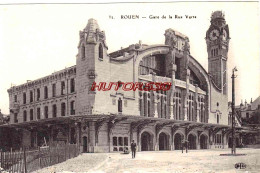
x=163 y=142
x=146 y=142
x=85 y=144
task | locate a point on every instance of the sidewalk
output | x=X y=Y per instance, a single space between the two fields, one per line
x=161 y=161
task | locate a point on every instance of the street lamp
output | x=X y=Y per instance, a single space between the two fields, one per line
x=233 y=149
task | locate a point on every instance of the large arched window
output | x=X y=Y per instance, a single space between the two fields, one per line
x=100 y=51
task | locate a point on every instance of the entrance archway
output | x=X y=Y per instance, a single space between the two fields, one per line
x=85 y=144
x=177 y=141
x=192 y=142
x=146 y=142
x=203 y=141
x=163 y=141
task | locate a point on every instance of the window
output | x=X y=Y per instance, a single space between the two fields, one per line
x=149 y=111
x=38 y=94
x=31 y=114
x=54 y=111
x=15 y=98
x=125 y=141
x=63 y=109
x=120 y=143
x=46 y=111
x=119 y=105
x=247 y=115
x=31 y=96
x=218 y=139
x=72 y=108
x=82 y=52
x=217 y=118
x=72 y=85
x=24 y=116
x=38 y=113
x=145 y=104
x=24 y=98
x=100 y=51
x=114 y=141
x=45 y=92
x=53 y=90
x=15 y=118
x=62 y=87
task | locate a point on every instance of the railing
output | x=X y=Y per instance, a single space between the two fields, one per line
x=29 y=161
x=180 y=83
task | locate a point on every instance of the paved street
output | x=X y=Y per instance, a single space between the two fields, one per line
x=163 y=161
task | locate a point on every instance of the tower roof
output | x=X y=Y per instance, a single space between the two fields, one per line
x=92 y=26
x=217 y=14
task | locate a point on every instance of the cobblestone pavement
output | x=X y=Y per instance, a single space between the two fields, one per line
x=207 y=161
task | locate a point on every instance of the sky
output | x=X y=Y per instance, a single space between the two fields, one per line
x=38 y=39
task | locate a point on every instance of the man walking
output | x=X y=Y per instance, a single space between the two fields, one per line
x=133 y=148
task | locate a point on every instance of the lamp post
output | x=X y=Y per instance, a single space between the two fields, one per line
x=233 y=149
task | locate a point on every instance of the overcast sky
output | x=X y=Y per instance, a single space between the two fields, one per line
x=36 y=40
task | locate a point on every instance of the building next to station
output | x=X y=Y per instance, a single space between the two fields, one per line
x=62 y=108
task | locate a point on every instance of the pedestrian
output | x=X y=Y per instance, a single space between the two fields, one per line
x=133 y=148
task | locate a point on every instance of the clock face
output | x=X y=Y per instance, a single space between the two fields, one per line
x=214 y=34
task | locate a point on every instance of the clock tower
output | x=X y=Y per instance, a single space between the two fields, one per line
x=217 y=39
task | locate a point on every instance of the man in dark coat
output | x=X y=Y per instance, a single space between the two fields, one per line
x=133 y=148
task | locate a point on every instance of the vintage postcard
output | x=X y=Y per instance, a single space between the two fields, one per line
x=129 y=87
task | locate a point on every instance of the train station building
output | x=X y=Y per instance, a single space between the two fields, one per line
x=61 y=107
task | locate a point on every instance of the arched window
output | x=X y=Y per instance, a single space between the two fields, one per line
x=72 y=107
x=63 y=109
x=38 y=113
x=38 y=94
x=82 y=52
x=24 y=98
x=72 y=85
x=24 y=116
x=45 y=92
x=31 y=114
x=100 y=51
x=31 y=96
x=217 y=118
x=46 y=111
x=119 y=105
x=54 y=111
